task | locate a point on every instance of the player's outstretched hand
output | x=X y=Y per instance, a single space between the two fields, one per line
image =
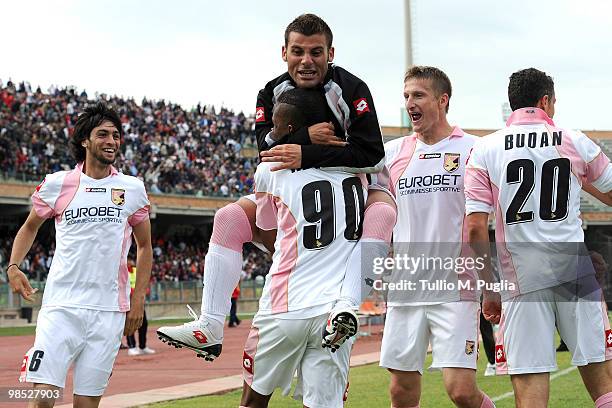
x=491 y=306
x=324 y=134
x=19 y=283
x=133 y=319
x=288 y=156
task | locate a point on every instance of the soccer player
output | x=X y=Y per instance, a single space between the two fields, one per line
x=86 y=305
x=358 y=148
x=530 y=174
x=317 y=217
x=427 y=176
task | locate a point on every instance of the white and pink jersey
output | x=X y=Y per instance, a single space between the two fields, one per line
x=93 y=228
x=530 y=174
x=319 y=218
x=428 y=182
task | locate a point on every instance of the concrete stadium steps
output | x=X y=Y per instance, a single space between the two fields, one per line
x=11 y=318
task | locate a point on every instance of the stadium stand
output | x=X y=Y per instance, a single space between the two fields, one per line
x=172 y=149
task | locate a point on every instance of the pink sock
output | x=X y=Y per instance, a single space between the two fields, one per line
x=223 y=262
x=605 y=401
x=486 y=402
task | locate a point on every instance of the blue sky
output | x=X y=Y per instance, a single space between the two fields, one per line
x=224 y=52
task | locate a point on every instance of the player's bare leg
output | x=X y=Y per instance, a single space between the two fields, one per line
x=253 y=399
x=83 y=401
x=460 y=384
x=531 y=390
x=597 y=378
x=405 y=388
x=43 y=402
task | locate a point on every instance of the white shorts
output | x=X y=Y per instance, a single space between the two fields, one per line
x=452 y=328
x=526 y=337
x=88 y=338
x=276 y=348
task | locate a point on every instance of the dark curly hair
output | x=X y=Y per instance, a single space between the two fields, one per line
x=309 y=24
x=527 y=87
x=305 y=107
x=92 y=117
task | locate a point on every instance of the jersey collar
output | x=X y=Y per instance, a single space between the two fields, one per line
x=525 y=116
x=113 y=170
x=457 y=132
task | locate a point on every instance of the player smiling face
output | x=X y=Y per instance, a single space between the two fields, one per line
x=307 y=57
x=424 y=106
x=103 y=143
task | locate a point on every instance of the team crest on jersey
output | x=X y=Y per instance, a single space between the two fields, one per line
x=451 y=161
x=118 y=196
x=469 y=347
x=260 y=114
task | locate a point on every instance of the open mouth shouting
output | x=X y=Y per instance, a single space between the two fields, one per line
x=416 y=117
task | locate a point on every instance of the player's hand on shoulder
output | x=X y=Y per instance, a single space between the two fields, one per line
x=133 y=319
x=19 y=283
x=324 y=134
x=289 y=156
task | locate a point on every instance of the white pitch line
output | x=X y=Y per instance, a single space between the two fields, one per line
x=552 y=377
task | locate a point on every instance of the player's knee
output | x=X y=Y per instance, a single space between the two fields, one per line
x=403 y=389
x=463 y=395
x=231 y=227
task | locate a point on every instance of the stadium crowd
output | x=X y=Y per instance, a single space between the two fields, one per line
x=173 y=150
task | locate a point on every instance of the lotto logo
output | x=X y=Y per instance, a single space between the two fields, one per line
x=199 y=336
x=259 y=114
x=24 y=368
x=247 y=362
x=608 y=338
x=361 y=106
x=500 y=356
x=38 y=187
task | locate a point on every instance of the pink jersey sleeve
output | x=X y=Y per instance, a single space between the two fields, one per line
x=139 y=216
x=266 y=211
x=42 y=209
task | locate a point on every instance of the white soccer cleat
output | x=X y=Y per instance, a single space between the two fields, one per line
x=341 y=325
x=147 y=350
x=194 y=335
x=490 y=370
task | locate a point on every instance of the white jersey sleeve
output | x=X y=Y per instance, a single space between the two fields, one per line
x=598 y=167
x=478 y=191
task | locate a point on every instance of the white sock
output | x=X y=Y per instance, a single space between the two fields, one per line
x=222 y=267
x=360 y=276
